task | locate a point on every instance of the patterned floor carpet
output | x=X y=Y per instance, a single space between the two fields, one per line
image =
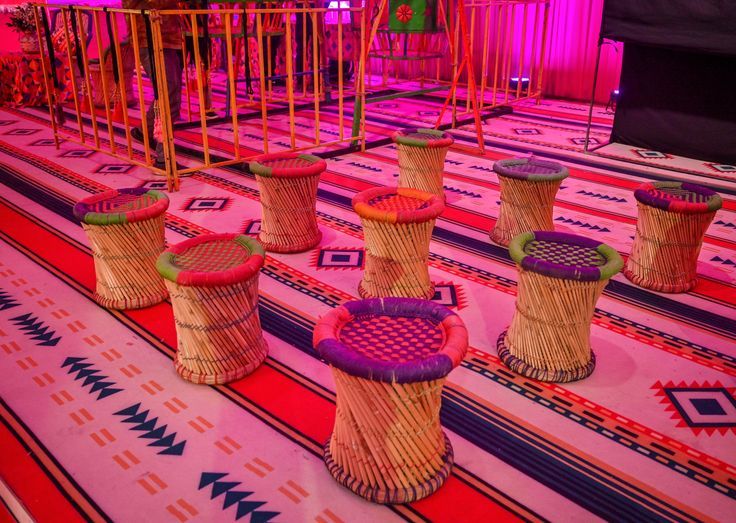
x=97 y=425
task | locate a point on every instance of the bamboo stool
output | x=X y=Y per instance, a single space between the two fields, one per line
x=673 y=218
x=397 y=225
x=125 y=228
x=422 y=158
x=213 y=282
x=288 y=185
x=528 y=189
x=561 y=277
x=390 y=358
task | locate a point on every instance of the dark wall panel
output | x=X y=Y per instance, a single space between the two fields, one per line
x=678 y=102
x=708 y=26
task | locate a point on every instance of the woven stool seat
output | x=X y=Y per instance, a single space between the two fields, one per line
x=673 y=218
x=390 y=358
x=397 y=224
x=288 y=186
x=125 y=228
x=528 y=189
x=561 y=277
x=213 y=282
x=422 y=158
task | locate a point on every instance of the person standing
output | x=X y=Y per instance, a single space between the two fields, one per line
x=171 y=38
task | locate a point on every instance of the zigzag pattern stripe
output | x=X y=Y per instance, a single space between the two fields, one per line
x=602 y=196
x=233 y=497
x=151 y=430
x=584 y=225
x=7 y=301
x=460 y=191
x=36 y=329
x=91 y=377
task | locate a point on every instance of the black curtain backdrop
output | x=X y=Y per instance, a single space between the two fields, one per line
x=678 y=76
x=704 y=25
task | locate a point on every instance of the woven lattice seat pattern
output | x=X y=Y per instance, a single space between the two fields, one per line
x=212 y=256
x=561 y=277
x=213 y=283
x=528 y=190
x=397 y=224
x=679 y=197
x=390 y=358
x=126 y=232
x=397 y=202
x=391 y=338
x=564 y=253
x=422 y=155
x=672 y=221
x=288 y=186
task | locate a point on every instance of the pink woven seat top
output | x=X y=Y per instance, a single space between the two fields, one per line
x=121 y=206
x=287 y=165
x=211 y=260
x=401 y=340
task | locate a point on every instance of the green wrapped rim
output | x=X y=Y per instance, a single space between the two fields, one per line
x=201 y=270
x=287 y=165
x=565 y=256
x=531 y=169
x=120 y=206
x=426 y=138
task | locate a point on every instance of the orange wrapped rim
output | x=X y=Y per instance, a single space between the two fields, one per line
x=397 y=205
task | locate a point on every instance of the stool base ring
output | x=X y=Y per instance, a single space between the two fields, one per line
x=133 y=303
x=223 y=377
x=291 y=249
x=499 y=239
x=557 y=376
x=396 y=496
x=672 y=288
x=364 y=294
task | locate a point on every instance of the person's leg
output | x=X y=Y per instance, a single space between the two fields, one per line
x=174 y=69
x=174 y=65
x=150 y=114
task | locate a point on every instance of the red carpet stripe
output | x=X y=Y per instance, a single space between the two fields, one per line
x=264 y=387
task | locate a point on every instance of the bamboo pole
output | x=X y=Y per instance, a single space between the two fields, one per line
x=51 y=92
x=133 y=38
x=73 y=80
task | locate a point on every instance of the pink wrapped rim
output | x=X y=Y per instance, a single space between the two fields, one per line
x=168 y=268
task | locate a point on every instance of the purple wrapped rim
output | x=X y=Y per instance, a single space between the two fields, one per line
x=531 y=169
x=614 y=262
x=435 y=366
x=650 y=194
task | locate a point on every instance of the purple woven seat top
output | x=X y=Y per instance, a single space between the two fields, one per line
x=565 y=256
x=531 y=169
x=679 y=197
x=392 y=339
